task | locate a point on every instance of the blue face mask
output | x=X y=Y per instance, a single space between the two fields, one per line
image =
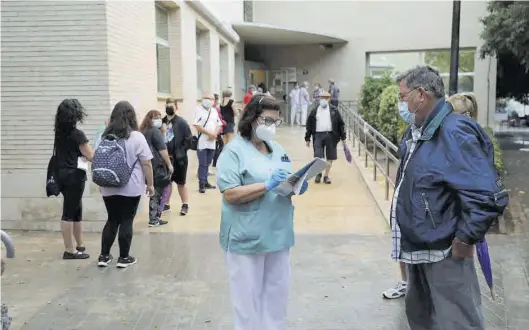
x=324 y=103
x=405 y=114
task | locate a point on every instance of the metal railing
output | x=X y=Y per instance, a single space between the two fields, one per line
x=371 y=143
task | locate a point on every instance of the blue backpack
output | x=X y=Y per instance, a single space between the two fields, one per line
x=110 y=167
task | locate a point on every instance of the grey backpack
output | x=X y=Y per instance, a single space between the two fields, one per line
x=110 y=167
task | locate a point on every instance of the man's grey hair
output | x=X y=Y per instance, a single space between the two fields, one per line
x=425 y=77
x=251 y=87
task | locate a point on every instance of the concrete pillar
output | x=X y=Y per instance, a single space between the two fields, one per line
x=175 y=44
x=188 y=62
x=231 y=65
x=214 y=65
x=224 y=67
x=485 y=89
x=205 y=54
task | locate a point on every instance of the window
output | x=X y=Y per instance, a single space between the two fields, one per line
x=395 y=63
x=163 y=52
x=199 y=64
x=248 y=11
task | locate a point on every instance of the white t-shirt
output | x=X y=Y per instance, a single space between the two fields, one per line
x=212 y=125
x=323 y=119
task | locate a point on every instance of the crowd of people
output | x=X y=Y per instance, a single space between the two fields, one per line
x=447 y=192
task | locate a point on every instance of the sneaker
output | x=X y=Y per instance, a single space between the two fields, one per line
x=397 y=291
x=184 y=209
x=76 y=255
x=126 y=262
x=157 y=222
x=209 y=186
x=201 y=188
x=327 y=180
x=166 y=208
x=104 y=260
x=318 y=178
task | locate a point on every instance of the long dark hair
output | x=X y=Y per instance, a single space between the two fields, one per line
x=254 y=109
x=122 y=121
x=69 y=113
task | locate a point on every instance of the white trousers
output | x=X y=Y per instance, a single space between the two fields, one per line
x=259 y=285
x=294 y=115
x=304 y=109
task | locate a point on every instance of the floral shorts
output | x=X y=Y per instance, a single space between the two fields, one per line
x=5 y=321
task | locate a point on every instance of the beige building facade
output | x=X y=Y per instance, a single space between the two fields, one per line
x=102 y=52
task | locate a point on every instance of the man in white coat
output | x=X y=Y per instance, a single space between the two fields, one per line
x=294 y=106
x=304 y=102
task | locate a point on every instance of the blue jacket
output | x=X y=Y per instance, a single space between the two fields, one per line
x=451 y=187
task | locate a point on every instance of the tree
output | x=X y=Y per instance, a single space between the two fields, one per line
x=370 y=98
x=441 y=60
x=389 y=122
x=506 y=36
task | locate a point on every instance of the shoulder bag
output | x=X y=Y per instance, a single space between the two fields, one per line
x=194 y=140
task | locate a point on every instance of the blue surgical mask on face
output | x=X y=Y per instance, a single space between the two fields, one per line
x=405 y=114
x=324 y=103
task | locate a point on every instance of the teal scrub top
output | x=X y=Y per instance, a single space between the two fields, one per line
x=266 y=223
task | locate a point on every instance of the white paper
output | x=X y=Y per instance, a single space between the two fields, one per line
x=293 y=184
x=82 y=163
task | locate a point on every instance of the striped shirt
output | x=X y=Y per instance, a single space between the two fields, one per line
x=415 y=257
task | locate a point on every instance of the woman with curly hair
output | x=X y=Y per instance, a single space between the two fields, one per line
x=71 y=144
x=161 y=164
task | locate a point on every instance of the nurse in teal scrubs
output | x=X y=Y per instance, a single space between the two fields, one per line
x=256 y=230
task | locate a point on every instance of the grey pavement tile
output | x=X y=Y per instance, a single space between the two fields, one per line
x=337 y=285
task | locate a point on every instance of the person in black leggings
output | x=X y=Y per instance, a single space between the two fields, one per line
x=122 y=202
x=70 y=145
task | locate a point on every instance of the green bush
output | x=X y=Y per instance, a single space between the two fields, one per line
x=388 y=113
x=370 y=98
x=390 y=123
x=498 y=155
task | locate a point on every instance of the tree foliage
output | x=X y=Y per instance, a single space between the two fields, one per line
x=441 y=60
x=370 y=98
x=388 y=113
x=506 y=36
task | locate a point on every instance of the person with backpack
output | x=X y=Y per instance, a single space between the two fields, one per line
x=121 y=167
x=161 y=164
x=70 y=145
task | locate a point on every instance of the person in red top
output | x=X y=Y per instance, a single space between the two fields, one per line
x=248 y=96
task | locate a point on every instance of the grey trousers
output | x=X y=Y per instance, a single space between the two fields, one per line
x=444 y=296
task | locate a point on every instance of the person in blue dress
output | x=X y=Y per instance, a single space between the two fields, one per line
x=256 y=230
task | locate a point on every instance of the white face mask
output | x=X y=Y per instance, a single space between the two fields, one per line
x=265 y=133
x=157 y=123
x=206 y=103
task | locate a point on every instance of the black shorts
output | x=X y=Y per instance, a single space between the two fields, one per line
x=180 y=171
x=325 y=146
x=72 y=207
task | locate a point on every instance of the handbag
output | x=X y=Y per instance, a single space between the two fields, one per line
x=160 y=172
x=194 y=140
x=53 y=187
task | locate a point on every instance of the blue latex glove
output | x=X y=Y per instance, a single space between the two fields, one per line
x=304 y=187
x=276 y=178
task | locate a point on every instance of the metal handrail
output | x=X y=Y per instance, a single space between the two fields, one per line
x=370 y=141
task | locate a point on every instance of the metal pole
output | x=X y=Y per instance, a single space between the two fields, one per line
x=454 y=50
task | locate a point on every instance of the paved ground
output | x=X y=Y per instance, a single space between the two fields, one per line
x=515 y=147
x=340 y=266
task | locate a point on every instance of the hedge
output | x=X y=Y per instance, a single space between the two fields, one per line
x=498 y=155
x=370 y=98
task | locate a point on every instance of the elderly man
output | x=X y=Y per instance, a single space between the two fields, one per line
x=208 y=126
x=447 y=196
x=326 y=127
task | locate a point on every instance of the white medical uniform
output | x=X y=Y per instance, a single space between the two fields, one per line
x=256 y=237
x=304 y=102
x=294 y=107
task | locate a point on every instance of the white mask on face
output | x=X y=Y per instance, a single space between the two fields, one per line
x=157 y=123
x=206 y=103
x=265 y=133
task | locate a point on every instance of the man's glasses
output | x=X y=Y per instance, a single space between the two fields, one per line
x=269 y=121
